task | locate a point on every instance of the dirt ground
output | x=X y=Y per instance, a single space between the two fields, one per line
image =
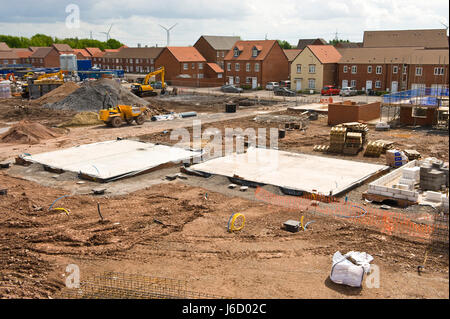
x=189 y=240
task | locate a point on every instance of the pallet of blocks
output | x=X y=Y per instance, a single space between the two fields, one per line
x=356 y=127
x=412 y=154
x=337 y=139
x=321 y=148
x=353 y=143
x=378 y=147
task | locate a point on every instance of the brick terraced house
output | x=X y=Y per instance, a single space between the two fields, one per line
x=255 y=63
x=215 y=48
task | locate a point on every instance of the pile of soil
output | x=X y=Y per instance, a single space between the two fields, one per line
x=82 y=118
x=57 y=94
x=91 y=96
x=26 y=132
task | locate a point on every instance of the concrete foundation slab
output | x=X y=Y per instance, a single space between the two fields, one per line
x=111 y=160
x=293 y=171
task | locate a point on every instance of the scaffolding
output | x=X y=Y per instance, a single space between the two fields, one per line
x=115 y=285
x=419 y=100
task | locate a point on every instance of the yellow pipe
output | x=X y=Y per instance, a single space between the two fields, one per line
x=233 y=220
x=63 y=209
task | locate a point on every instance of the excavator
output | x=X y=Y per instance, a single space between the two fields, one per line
x=145 y=88
x=115 y=116
x=41 y=78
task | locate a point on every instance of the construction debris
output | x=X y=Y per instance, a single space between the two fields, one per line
x=381 y=126
x=292 y=226
x=26 y=132
x=81 y=119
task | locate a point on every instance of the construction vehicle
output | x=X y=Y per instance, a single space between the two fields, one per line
x=46 y=78
x=115 y=116
x=145 y=88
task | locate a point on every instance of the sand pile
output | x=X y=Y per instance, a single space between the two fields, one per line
x=83 y=118
x=57 y=94
x=92 y=95
x=26 y=132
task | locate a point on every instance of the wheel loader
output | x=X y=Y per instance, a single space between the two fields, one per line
x=115 y=116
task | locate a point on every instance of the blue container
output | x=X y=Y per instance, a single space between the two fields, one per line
x=84 y=65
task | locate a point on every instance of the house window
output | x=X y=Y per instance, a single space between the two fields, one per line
x=200 y=76
x=200 y=66
x=219 y=76
x=221 y=64
x=312 y=68
x=345 y=69
x=236 y=52
x=353 y=83
x=193 y=66
x=117 y=60
x=312 y=83
x=369 y=69
x=131 y=68
x=237 y=66
x=419 y=112
x=223 y=54
x=256 y=67
x=354 y=69
x=254 y=52
x=299 y=68
x=438 y=71
x=237 y=79
x=185 y=66
x=228 y=66
x=395 y=69
x=218 y=54
x=152 y=69
x=378 y=84
x=248 y=80
x=379 y=69
x=247 y=67
x=419 y=71
x=131 y=61
x=405 y=69
x=152 y=61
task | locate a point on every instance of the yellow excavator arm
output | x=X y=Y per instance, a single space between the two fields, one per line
x=145 y=87
x=59 y=75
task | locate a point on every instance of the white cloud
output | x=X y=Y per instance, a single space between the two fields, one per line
x=137 y=21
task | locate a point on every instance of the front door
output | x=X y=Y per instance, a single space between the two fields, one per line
x=230 y=80
x=394 y=86
x=298 y=84
x=254 y=83
x=344 y=83
x=368 y=85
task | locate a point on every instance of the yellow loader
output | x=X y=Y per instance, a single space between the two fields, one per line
x=116 y=116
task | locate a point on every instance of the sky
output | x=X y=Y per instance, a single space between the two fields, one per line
x=139 y=21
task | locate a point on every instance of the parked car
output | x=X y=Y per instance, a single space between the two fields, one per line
x=330 y=90
x=283 y=91
x=286 y=84
x=272 y=85
x=158 y=85
x=230 y=88
x=348 y=91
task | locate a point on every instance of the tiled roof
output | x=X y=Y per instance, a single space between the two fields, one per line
x=41 y=52
x=303 y=43
x=378 y=55
x=325 y=53
x=186 y=54
x=246 y=47
x=432 y=38
x=22 y=52
x=139 y=53
x=292 y=54
x=8 y=55
x=215 y=67
x=4 y=47
x=61 y=47
x=221 y=42
x=95 y=52
x=83 y=52
x=34 y=49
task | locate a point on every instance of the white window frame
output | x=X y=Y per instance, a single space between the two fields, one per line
x=201 y=76
x=237 y=79
x=440 y=71
x=254 y=52
x=256 y=67
x=236 y=52
x=247 y=67
x=404 y=69
x=354 y=69
x=237 y=67
x=379 y=69
x=353 y=83
x=345 y=69
x=369 y=69
x=200 y=66
x=313 y=68
x=395 y=69
x=228 y=66
x=185 y=66
x=378 y=84
x=311 y=81
x=419 y=68
x=299 y=68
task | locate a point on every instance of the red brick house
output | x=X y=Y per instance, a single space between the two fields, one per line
x=429 y=39
x=48 y=57
x=255 y=63
x=303 y=43
x=7 y=55
x=133 y=60
x=82 y=54
x=185 y=66
x=291 y=54
x=215 y=48
x=393 y=69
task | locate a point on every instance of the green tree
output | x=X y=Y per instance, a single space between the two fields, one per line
x=284 y=45
x=334 y=41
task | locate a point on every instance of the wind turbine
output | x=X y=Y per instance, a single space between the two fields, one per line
x=168 y=32
x=107 y=33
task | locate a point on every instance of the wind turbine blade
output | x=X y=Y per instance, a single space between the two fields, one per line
x=164 y=27
x=173 y=26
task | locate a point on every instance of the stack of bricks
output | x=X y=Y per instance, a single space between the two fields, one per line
x=396 y=158
x=353 y=143
x=433 y=175
x=412 y=154
x=356 y=127
x=375 y=149
x=337 y=139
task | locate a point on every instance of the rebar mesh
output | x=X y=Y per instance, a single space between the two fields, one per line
x=439 y=241
x=114 y=285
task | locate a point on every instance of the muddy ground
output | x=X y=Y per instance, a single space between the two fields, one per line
x=189 y=240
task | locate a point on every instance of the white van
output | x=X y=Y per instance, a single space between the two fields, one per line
x=271 y=85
